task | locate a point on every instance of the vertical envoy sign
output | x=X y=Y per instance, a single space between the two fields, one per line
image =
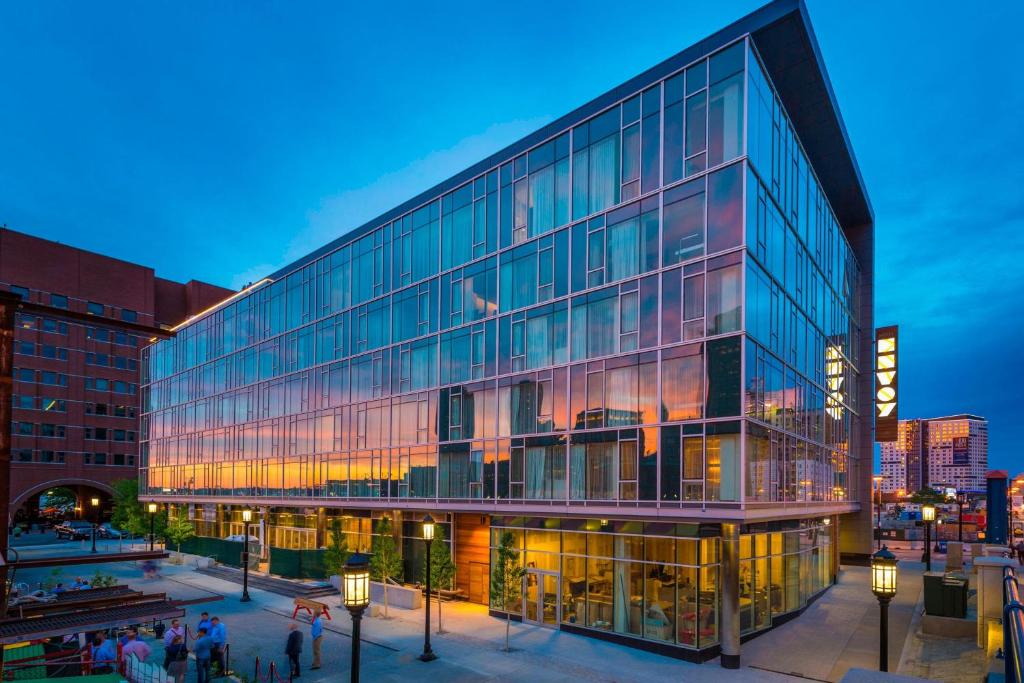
x=886 y=410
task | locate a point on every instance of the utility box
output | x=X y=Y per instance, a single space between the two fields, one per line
x=945 y=595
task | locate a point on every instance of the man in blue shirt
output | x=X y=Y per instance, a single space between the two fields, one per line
x=202 y=648
x=219 y=636
x=204 y=622
x=103 y=653
x=316 y=632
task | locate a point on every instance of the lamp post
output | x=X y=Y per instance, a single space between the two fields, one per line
x=883 y=585
x=428 y=536
x=878 y=511
x=246 y=518
x=356 y=596
x=961 y=500
x=96 y=520
x=152 y=529
x=928 y=515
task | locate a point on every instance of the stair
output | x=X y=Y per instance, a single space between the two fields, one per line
x=273 y=584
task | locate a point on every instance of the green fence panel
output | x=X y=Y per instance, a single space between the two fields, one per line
x=297 y=564
x=225 y=552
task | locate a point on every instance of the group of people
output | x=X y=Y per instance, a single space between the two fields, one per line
x=293 y=646
x=79 y=584
x=209 y=643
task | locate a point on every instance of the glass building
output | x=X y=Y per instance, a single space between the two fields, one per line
x=632 y=340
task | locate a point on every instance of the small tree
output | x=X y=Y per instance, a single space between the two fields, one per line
x=507 y=579
x=442 y=569
x=385 y=563
x=337 y=552
x=179 y=530
x=928 y=495
x=129 y=514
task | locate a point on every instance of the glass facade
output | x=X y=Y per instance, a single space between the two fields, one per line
x=656 y=304
x=659 y=581
x=652 y=314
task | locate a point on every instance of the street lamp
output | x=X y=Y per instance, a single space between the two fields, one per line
x=96 y=521
x=878 y=511
x=246 y=518
x=152 y=533
x=428 y=536
x=928 y=515
x=883 y=585
x=961 y=500
x=356 y=596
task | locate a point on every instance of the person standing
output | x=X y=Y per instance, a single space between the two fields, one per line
x=293 y=648
x=219 y=637
x=170 y=634
x=104 y=654
x=316 y=632
x=176 y=659
x=136 y=647
x=204 y=622
x=202 y=648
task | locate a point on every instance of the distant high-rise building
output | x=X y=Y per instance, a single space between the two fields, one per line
x=939 y=452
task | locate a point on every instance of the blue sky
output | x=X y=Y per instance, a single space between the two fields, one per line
x=219 y=141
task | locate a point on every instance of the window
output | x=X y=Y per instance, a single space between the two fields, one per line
x=56 y=405
x=20 y=291
x=93 y=308
x=725 y=105
x=54 y=378
x=26 y=402
x=593 y=470
x=51 y=430
x=129 y=315
x=25 y=348
x=24 y=428
x=682 y=383
x=724 y=294
x=25 y=375
x=725 y=208
x=595 y=163
x=683 y=222
x=58 y=301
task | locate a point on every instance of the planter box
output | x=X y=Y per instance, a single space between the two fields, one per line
x=398 y=596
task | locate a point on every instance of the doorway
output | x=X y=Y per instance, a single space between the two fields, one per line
x=541 y=603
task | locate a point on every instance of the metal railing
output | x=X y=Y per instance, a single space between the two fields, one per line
x=1013 y=628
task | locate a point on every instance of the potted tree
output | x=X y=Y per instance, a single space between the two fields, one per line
x=336 y=554
x=507 y=579
x=385 y=563
x=442 y=569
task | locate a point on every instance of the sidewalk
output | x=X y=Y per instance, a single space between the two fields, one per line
x=840 y=630
x=471 y=650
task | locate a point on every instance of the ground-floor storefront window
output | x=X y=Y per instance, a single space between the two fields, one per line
x=659 y=581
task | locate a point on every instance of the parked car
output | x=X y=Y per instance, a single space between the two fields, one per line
x=75 y=529
x=107 y=530
x=241 y=537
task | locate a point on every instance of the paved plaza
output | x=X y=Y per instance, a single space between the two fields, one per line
x=836 y=633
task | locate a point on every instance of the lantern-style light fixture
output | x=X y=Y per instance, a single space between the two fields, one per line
x=428 y=528
x=928 y=513
x=95 y=502
x=151 y=508
x=246 y=515
x=883 y=585
x=883 y=573
x=826 y=521
x=356 y=579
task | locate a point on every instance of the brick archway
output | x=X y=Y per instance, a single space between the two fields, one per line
x=71 y=482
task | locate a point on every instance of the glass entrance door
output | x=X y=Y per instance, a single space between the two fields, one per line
x=540 y=598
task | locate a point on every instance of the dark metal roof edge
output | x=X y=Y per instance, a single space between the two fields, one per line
x=813 y=39
x=759 y=18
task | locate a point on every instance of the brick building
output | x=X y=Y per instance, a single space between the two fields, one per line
x=75 y=416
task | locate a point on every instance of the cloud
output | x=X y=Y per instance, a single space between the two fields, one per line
x=350 y=208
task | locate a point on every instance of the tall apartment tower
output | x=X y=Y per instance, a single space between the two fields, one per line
x=939 y=452
x=76 y=363
x=615 y=342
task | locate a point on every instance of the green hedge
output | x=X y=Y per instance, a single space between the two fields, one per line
x=297 y=564
x=225 y=552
